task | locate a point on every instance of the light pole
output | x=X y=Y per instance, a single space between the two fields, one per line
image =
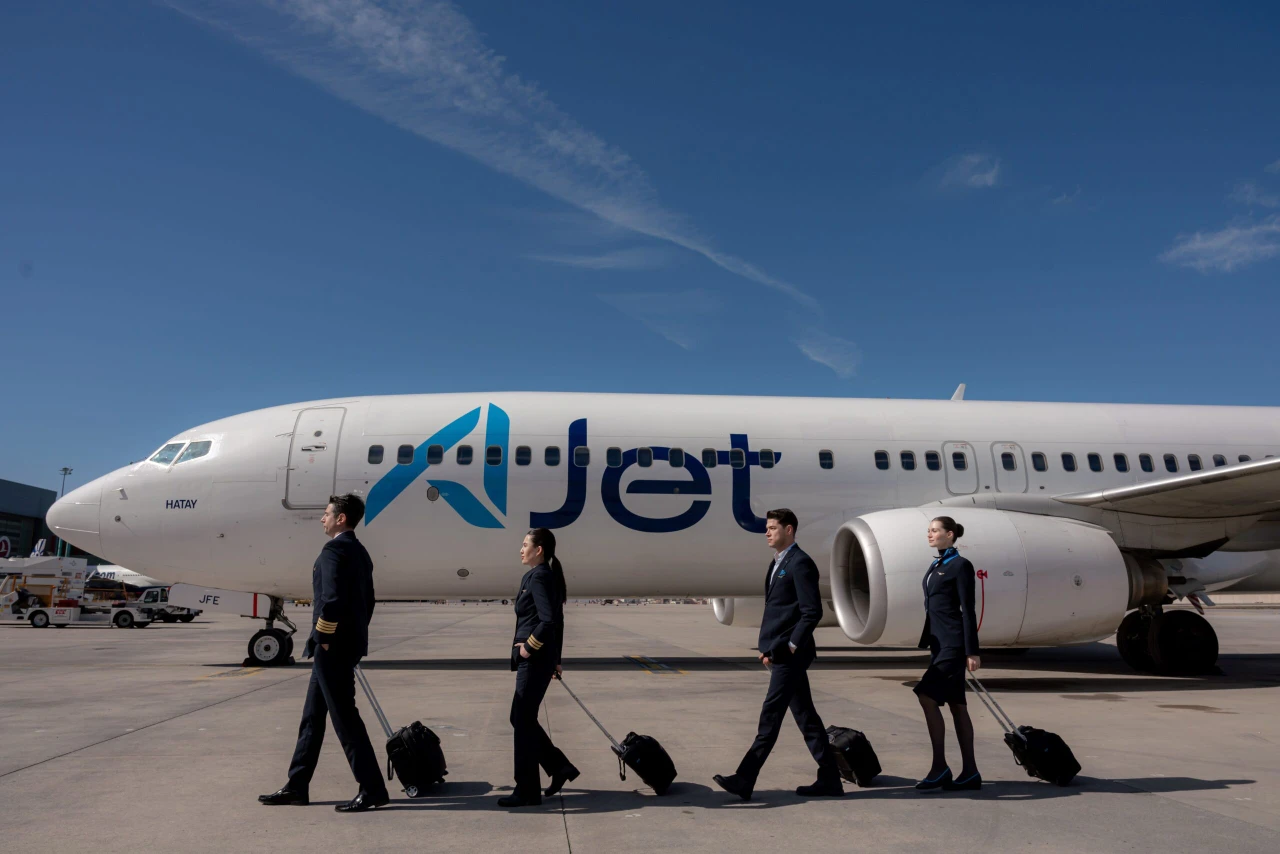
x=65 y=471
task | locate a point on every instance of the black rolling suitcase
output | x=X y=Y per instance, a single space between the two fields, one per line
x=413 y=751
x=1043 y=754
x=856 y=759
x=641 y=753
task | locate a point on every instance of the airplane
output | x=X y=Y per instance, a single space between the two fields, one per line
x=1083 y=520
x=127 y=577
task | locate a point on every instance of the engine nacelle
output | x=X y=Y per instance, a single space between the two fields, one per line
x=1044 y=580
x=749 y=611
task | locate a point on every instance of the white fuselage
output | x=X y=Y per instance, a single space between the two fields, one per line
x=244 y=515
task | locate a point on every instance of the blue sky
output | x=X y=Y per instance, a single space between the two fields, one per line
x=210 y=207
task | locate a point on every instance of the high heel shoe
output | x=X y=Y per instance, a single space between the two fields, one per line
x=972 y=783
x=939 y=782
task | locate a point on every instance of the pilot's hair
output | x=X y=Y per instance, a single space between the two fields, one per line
x=544 y=539
x=785 y=517
x=951 y=526
x=349 y=504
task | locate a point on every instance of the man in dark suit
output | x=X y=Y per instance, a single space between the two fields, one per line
x=342 y=605
x=792 y=610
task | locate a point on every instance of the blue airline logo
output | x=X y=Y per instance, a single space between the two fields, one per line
x=497 y=433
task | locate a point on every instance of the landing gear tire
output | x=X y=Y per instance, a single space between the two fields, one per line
x=39 y=620
x=269 y=648
x=1183 y=643
x=1133 y=639
x=123 y=620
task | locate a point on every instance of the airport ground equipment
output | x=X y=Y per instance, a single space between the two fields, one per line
x=1042 y=753
x=643 y=754
x=413 y=752
x=269 y=647
x=855 y=757
x=50 y=591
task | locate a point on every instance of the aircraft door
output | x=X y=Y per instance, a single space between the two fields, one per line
x=313 y=457
x=961 y=466
x=1011 y=467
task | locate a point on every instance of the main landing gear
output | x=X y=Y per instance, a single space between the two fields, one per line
x=272 y=647
x=1177 y=643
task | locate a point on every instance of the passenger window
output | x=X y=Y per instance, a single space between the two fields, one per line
x=1144 y=460
x=435 y=455
x=375 y=455
x=1068 y=462
x=766 y=458
x=404 y=455
x=676 y=457
x=737 y=458
x=1193 y=460
x=493 y=455
x=524 y=455
x=932 y=461
x=551 y=456
x=1095 y=462
x=195 y=451
x=644 y=457
x=1244 y=458
x=582 y=456
x=1170 y=462
x=168 y=453
x=1009 y=462
x=465 y=454
x=882 y=460
x=613 y=457
x=1121 y=461
x=1038 y=462
x=908 y=460
x=826 y=459
x=709 y=457
x=959 y=461
x=1219 y=460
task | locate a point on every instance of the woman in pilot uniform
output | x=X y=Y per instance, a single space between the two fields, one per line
x=951 y=636
x=535 y=657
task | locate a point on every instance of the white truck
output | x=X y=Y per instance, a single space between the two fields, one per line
x=50 y=591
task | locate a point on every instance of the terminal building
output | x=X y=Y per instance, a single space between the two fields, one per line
x=22 y=512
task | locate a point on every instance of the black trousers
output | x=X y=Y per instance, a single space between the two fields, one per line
x=789 y=687
x=332 y=693
x=533 y=745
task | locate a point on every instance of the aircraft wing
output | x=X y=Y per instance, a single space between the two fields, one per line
x=1244 y=489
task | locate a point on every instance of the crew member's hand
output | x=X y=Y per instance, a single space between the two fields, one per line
x=524 y=653
x=325 y=647
x=559 y=671
x=764 y=659
x=974 y=663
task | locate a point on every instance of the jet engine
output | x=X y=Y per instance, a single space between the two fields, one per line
x=1042 y=580
x=749 y=610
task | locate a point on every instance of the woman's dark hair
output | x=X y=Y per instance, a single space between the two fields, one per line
x=951 y=526
x=541 y=537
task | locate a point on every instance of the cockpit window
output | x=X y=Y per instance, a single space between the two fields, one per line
x=168 y=453
x=194 y=451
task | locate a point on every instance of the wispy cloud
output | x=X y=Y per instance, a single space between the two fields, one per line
x=678 y=317
x=972 y=171
x=1067 y=198
x=621 y=259
x=1274 y=168
x=1228 y=249
x=837 y=354
x=1249 y=193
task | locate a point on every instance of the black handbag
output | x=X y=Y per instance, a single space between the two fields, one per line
x=413 y=752
x=643 y=754
x=1043 y=754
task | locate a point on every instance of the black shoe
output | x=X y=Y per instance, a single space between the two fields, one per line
x=514 y=800
x=286 y=797
x=362 y=802
x=830 y=788
x=567 y=774
x=972 y=783
x=734 y=785
x=937 y=782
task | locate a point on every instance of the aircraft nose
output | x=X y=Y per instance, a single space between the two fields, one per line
x=75 y=517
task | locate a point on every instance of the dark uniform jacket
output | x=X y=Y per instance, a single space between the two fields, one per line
x=792 y=605
x=342 y=596
x=948 y=602
x=539 y=617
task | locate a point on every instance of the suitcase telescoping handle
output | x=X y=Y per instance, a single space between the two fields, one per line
x=1006 y=722
x=617 y=748
x=377 y=709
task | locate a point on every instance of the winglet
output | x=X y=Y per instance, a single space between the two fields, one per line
x=959 y=395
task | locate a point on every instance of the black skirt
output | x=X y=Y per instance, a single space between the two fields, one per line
x=943 y=682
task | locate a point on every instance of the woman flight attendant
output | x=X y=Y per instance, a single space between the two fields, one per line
x=535 y=657
x=951 y=636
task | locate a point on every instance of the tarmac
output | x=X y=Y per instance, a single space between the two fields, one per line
x=114 y=740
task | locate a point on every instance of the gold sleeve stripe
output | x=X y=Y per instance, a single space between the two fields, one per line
x=534 y=643
x=326 y=627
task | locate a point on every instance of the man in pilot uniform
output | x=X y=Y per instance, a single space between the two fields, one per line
x=342 y=597
x=792 y=610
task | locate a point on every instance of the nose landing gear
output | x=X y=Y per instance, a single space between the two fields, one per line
x=272 y=647
x=1179 y=643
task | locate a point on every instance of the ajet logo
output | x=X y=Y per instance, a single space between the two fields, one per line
x=497 y=433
